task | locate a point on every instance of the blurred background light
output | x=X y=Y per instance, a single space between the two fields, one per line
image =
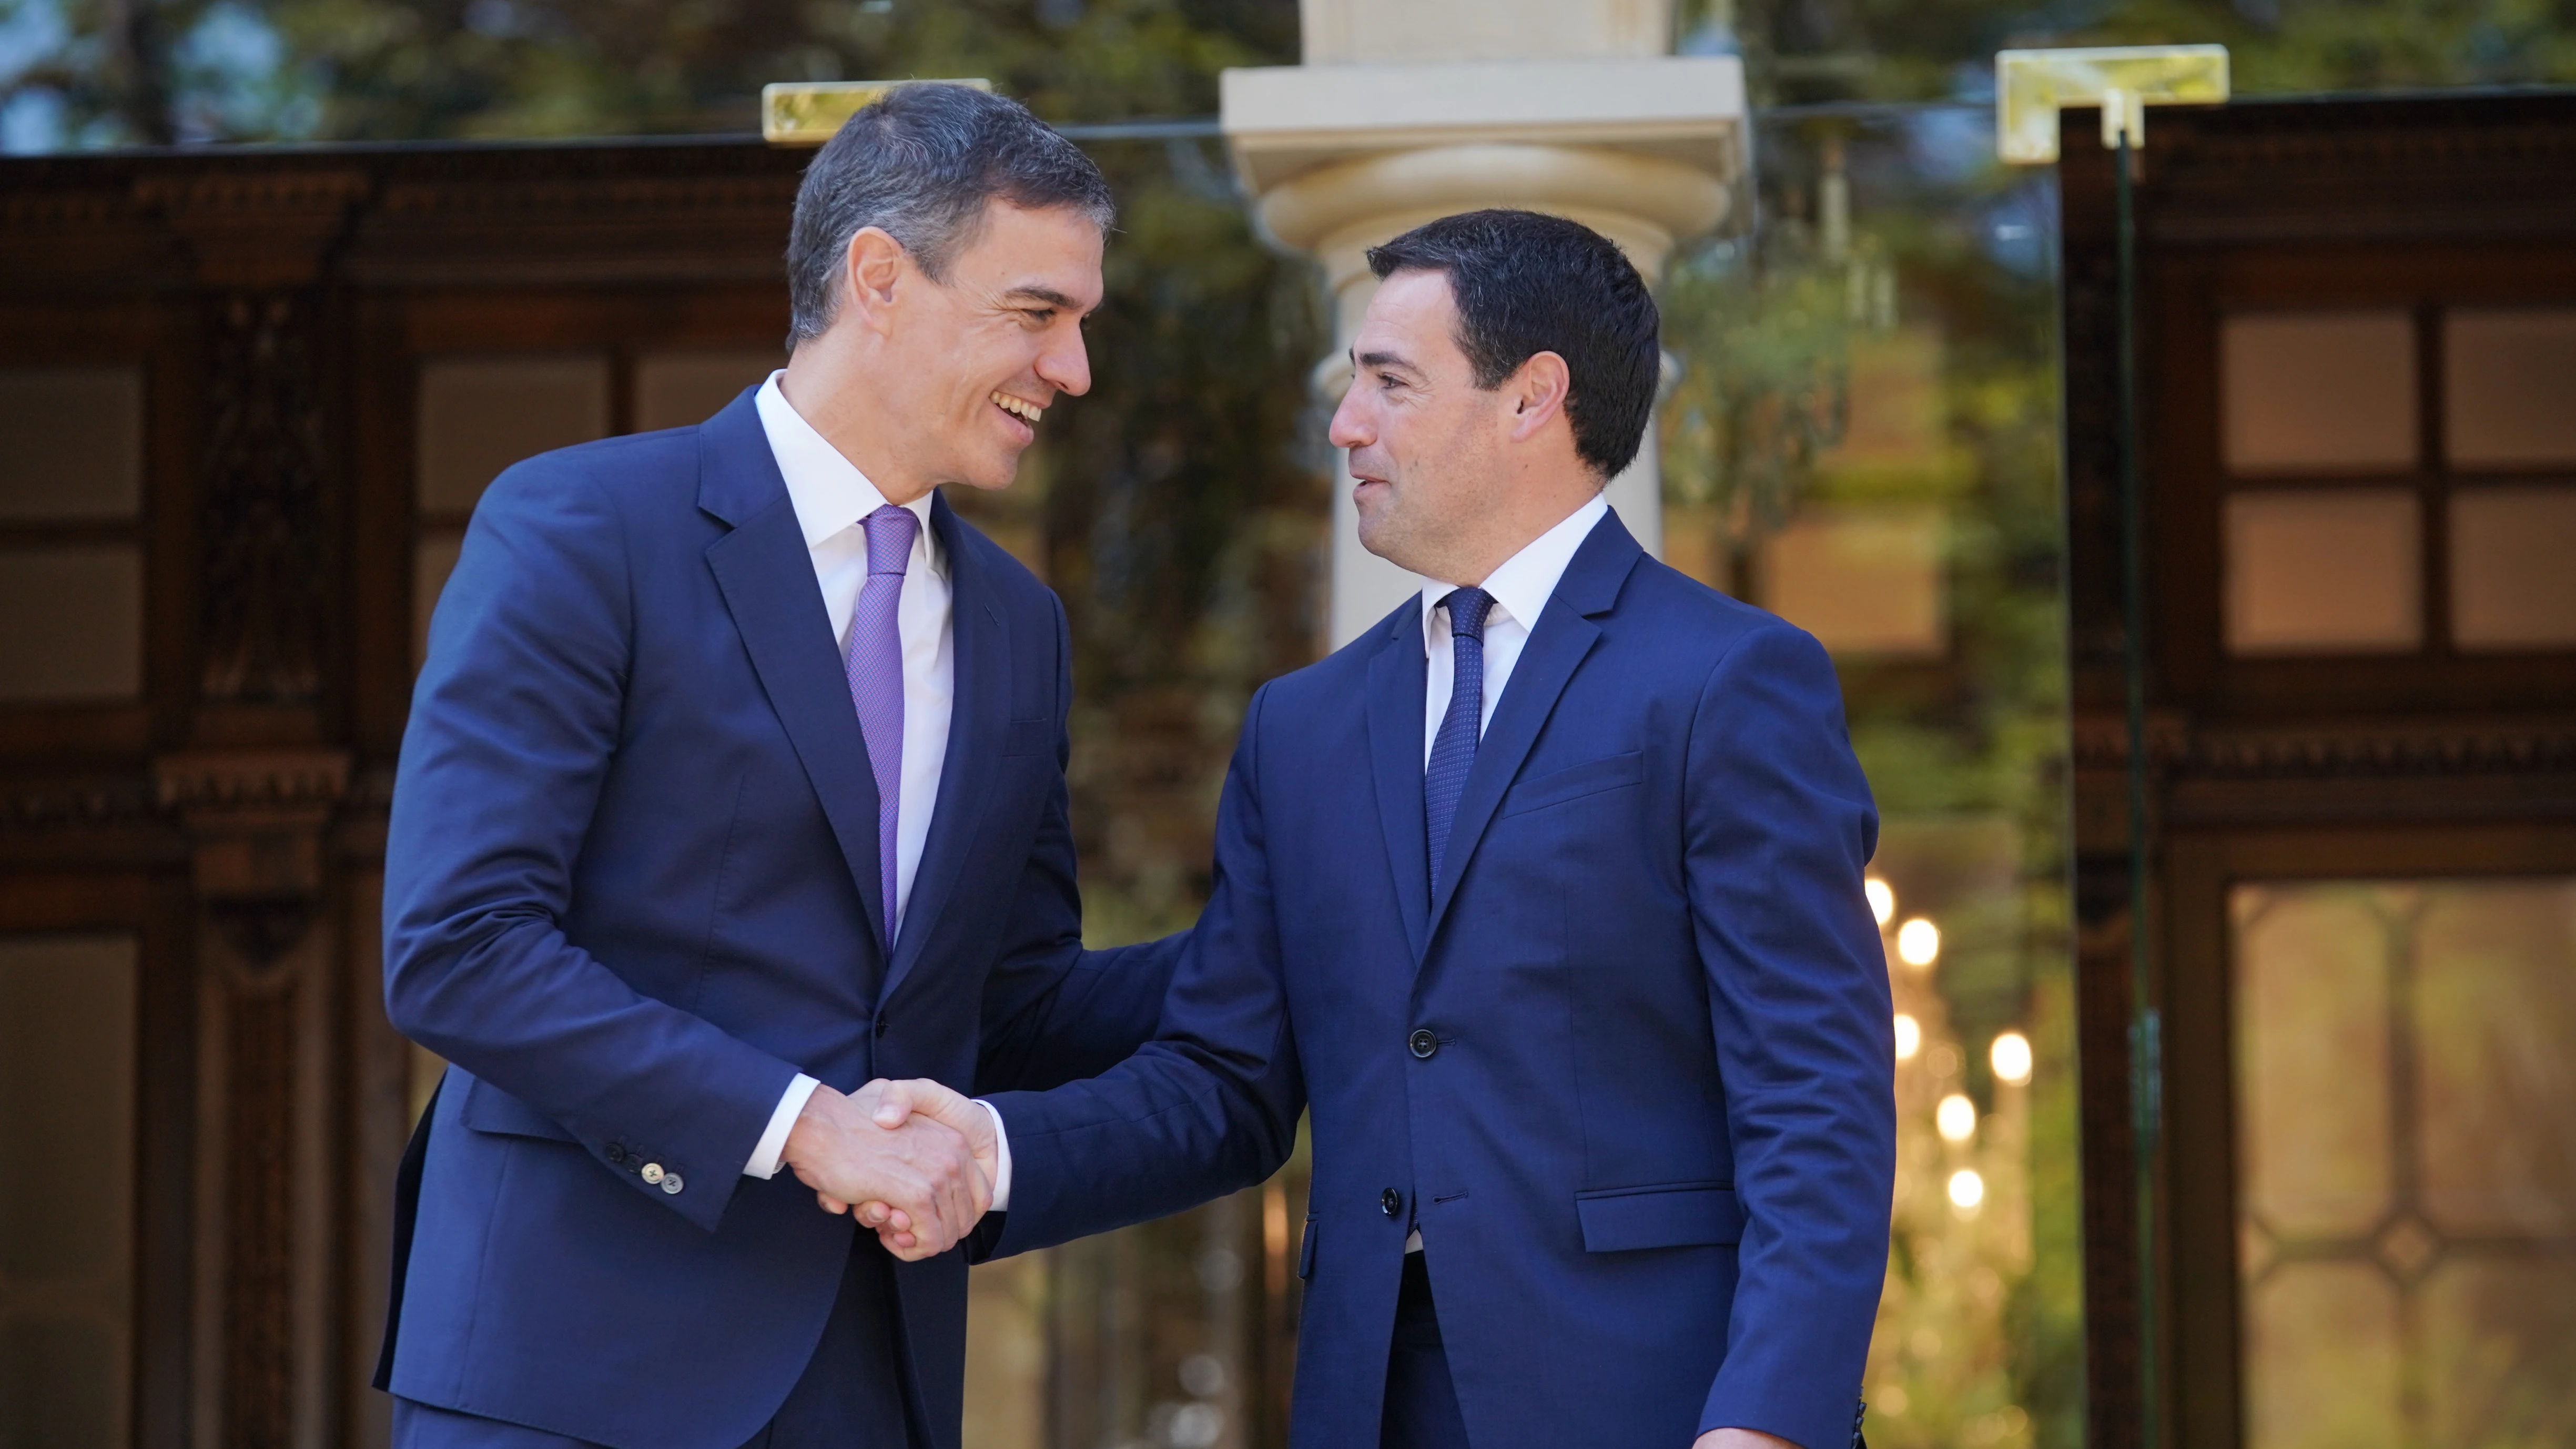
x=1909 y=1037
x=2011 y=1057
x=1957 y=1119
x=1918 y=942
x=1882 y=900
x=1967 y=1189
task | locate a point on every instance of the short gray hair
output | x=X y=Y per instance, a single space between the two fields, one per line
x=921 y=162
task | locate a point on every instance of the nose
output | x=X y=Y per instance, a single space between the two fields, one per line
x=1350 y=427
x=1065 y=365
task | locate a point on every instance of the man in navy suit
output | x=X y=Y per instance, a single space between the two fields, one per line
x=734 y=780
x=1545 y=895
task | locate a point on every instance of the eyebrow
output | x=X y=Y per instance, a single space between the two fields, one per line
x=1048 y=296
x=1387 y=359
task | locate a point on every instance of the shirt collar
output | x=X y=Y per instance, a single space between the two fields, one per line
x=827 y=490
x=1523 y=584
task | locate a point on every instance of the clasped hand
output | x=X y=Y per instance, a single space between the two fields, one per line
x=914 y=1159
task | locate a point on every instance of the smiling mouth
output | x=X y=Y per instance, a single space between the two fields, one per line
x=1021 y=408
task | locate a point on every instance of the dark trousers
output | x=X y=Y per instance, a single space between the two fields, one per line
x=849 y=1397
x=1421 y=1403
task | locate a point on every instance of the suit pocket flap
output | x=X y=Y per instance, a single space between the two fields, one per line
x=489 y=1109
x=1028 y=737
x=1677 y=1215
x=1589 y=778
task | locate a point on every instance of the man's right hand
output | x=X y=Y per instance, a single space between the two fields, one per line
x=863 y=1149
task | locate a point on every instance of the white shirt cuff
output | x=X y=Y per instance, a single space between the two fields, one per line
x=773 y=1143
x=1002 y=1158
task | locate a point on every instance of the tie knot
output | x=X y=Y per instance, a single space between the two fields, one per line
x=890 y=534
x=1467 y=609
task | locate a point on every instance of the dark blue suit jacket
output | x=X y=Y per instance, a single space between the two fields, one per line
x=631 y=889
x=1650 y=1141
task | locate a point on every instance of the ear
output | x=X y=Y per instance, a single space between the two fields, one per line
x=1537 y=392
x=870 y=271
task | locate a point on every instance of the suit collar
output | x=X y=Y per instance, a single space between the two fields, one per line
x=1524 y=583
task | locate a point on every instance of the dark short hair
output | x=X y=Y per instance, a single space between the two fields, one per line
x=921 y=162
x=1527 y=283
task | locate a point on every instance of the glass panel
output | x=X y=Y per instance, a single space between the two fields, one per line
x=2509 y=387
x=2325 y=1339
x=2445 y=1314
x=675 y=389
x=2326 y=572
x=2500 y=1353
x=2312 y=987
x=2511 y=587
x=71 y=442
x=1864 y=437
x=71 y=624
x=67 y=1133
x=480 y=415
x=1862 y=580
x=2318 y=392
x=2495 y=1041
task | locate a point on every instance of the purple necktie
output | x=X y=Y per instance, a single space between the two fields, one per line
x=874 y=663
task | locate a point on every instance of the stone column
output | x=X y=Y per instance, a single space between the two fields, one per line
x=1403 y=113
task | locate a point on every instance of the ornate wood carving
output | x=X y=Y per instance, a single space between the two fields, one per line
x=262 y=514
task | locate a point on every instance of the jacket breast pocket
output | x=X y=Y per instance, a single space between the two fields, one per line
x=489 y=1109
x=1592 y=777
x=1668 y=1215
x=1028 y=737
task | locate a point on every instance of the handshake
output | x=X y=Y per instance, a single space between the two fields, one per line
x=913 y=1160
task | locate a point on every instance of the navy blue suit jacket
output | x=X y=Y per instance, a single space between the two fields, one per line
x=1650 y=1140
x=631 y=890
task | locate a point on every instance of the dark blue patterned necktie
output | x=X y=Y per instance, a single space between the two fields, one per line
x=1453 y=749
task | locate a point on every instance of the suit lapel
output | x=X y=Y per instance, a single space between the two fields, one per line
x=1395 y=704
x=767 y=577
x=977 y=717
x=1565 y=634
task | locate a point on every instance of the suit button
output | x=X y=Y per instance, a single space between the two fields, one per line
x=881 y=1025
x=1390 y=1202
x=671 y=1182
x=1423 y=1043
x=652 y=1172
x=616 y=1153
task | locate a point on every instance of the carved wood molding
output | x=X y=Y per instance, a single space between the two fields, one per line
x=263 y=577
x=2391 y=750
x=257 y=228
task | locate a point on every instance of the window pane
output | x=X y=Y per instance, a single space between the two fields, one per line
x=2313 y=983
x=2426 y=1027
x=2511 y=587
x=480 y=415
x=67 y=1133
x=2325 y=572
x=2509 y=387
x=71 y=624
x=675 y=389
x=71 y=442
x=2320 y=392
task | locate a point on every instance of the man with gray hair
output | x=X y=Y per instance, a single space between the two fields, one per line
x=734 y=782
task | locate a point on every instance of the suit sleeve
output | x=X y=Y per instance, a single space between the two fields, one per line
x=514 y=726
x=1779 y=828
x=1054 y=1012
x=1207 y=1107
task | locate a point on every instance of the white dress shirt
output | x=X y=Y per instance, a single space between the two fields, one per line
x=1520 y=587
x=832 y=498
